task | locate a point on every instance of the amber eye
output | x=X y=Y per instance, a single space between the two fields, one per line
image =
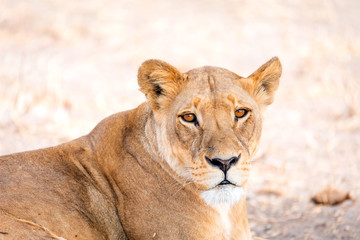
x=240 y=113
x=189 y=117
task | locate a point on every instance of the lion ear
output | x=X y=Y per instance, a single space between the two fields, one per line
x=160 y=82
x=263 y=83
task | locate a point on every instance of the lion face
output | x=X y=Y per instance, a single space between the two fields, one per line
x=208 y=122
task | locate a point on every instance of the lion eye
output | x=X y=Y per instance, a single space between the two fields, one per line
x=189 y=117
x=240 y=113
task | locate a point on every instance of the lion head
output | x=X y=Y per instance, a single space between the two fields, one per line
x=208 y=122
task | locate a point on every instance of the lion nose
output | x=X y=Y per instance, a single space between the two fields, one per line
x=224 y=165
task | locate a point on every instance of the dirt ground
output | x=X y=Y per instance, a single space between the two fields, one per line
x=65 y=65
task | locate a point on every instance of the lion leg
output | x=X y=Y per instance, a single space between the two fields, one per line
x=14 y=228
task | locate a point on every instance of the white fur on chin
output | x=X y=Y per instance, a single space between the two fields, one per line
x=226 y=194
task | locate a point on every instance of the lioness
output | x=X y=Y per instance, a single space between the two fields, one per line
x=173 y=168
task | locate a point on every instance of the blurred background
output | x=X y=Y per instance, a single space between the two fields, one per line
x=65 y=65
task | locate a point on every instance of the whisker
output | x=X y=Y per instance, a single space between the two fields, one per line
x=182 y=187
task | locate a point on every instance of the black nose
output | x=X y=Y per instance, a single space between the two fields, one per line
x=224 y=165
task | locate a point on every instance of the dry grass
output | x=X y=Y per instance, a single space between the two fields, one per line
x=66 y=65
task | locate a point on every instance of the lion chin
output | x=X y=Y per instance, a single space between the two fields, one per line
x=223 y=195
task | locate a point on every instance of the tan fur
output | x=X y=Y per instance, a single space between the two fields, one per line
x=143 y=173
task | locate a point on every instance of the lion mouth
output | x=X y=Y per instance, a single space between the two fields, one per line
x=223 y=193
x=225 y=182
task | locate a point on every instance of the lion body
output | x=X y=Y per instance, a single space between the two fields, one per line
x=140 y=174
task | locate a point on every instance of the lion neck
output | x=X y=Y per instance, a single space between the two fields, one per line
x=152 y=142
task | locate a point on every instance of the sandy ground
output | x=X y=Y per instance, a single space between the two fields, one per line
x=65 y=65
